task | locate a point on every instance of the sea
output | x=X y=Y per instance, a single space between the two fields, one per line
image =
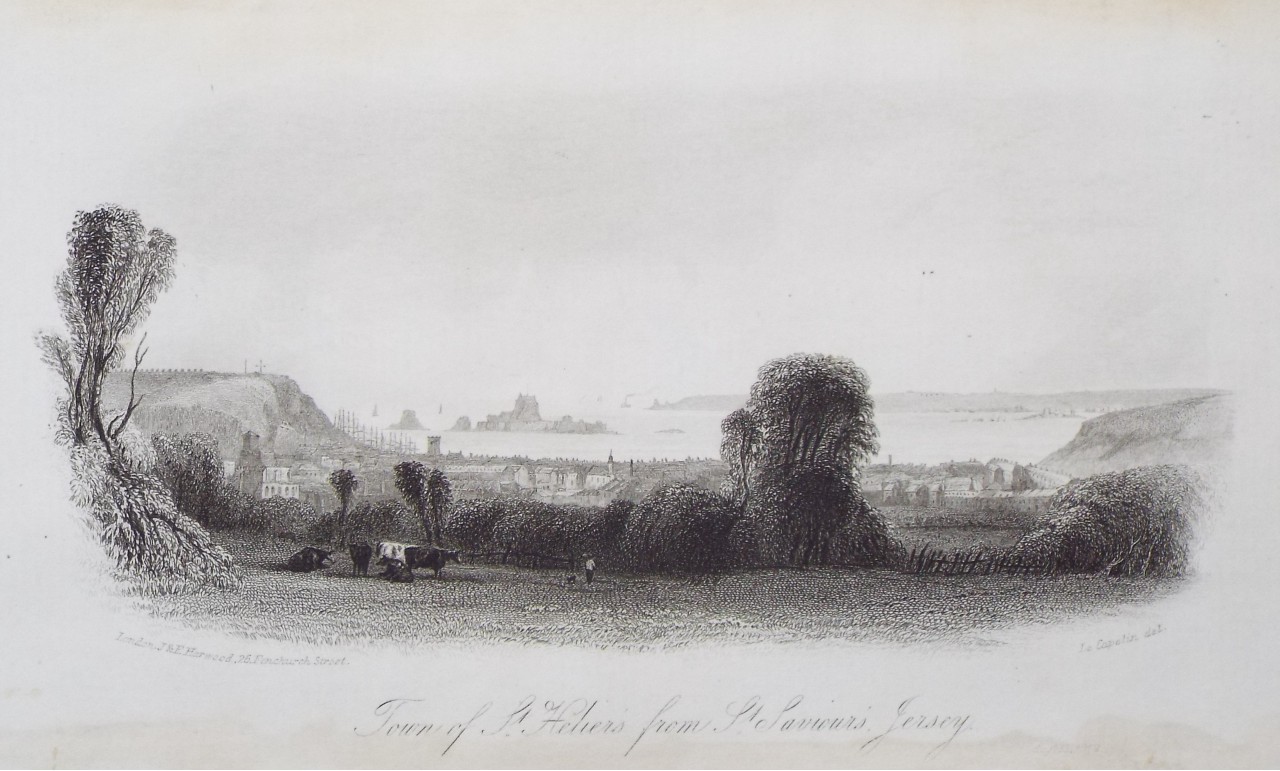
x=643 y=434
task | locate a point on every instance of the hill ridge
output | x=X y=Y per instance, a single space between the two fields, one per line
x=1196 y=432
x=226 y=404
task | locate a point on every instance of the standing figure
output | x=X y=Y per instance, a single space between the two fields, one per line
x=590 y=568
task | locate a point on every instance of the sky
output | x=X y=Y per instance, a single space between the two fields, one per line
x=432 y=201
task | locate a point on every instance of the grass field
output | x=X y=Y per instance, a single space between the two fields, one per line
x=482 y=603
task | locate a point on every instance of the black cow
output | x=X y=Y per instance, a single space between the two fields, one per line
x=361 y=553
x=307 y=559
x=397 y=572
x=432 y=557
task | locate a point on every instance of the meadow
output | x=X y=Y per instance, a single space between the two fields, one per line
x=487 y=604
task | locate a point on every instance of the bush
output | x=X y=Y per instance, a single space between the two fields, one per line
x=470 y=524
x=191 y=469
x=512 y=525
x=385 y=520
x=134 y=516
x=286 y=518
x=603 y=529
x=679 y=528
x=535 y=527
x=1134 y=522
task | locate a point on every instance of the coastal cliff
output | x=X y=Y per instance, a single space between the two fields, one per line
x=225 y=405
x=1195 y=432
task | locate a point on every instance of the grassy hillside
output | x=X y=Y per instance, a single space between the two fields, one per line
x=226 y=405
x=1196 y=432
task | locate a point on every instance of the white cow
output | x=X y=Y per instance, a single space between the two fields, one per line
x=390 y=550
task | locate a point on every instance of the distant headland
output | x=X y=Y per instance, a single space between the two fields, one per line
x=1069 y=403
x=526 y=417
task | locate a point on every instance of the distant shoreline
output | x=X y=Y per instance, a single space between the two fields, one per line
x=1069 y=402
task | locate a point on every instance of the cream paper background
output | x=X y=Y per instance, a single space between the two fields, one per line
x=1202 y=691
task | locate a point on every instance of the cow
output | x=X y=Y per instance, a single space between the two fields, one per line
x=398 y=572
x=361 y=554
x=432 y=557
x=307 y=559
x=390 y=550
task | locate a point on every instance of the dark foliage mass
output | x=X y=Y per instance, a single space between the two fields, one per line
x=508 y=527
x=793 y=454
x=191 y=469
x=814 y=515
x=679 y=528
x=384 y=520
x=812 y=407
x=1135 y=522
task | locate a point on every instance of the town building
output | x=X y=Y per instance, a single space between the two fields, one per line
x=250 y=465
x=276 y=484
x=488 y=478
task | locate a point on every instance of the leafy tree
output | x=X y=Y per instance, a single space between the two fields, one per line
x=411 y=481
x=439 y=496
x=344 y=483
x=793 y=454
x=810 y=407
x=740 y=448
x=116 y=269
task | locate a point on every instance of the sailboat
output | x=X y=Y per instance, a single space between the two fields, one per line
x=375 y=410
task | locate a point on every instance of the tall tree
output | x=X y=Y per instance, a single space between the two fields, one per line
x=794 y=452
x=740 y=449
x=811 y=407
x=116 y=269
x=344 y=483
x=439 y=496
x=411 y=481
